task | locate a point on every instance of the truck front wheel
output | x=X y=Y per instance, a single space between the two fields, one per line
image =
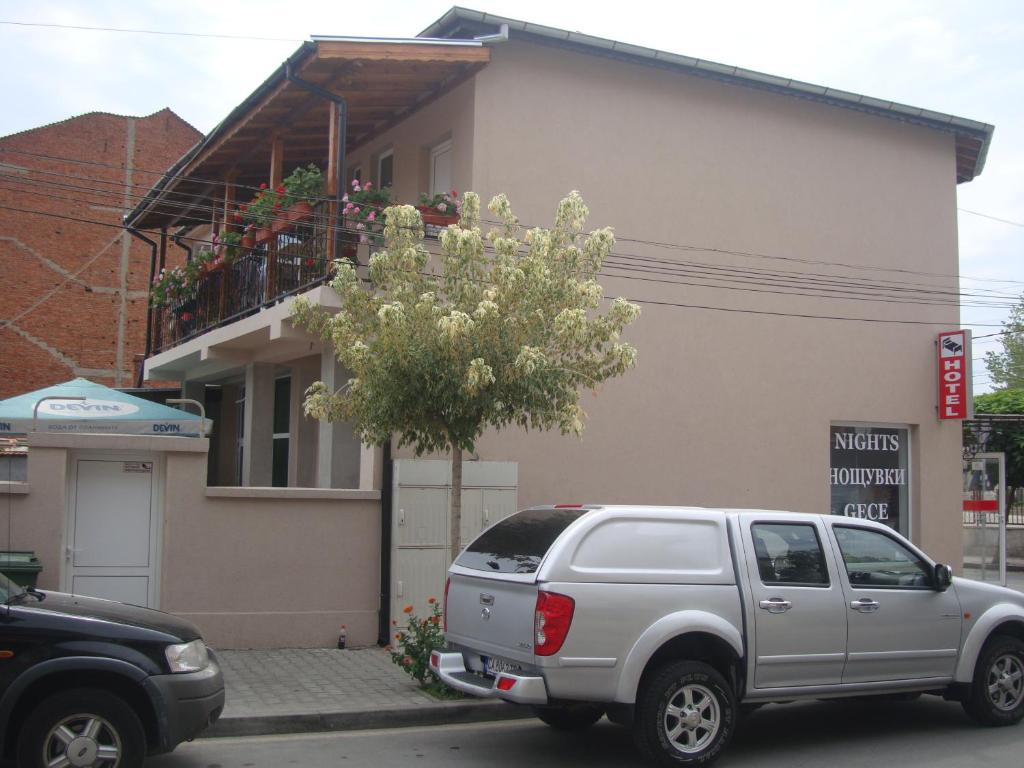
x=996 y=695
x=686 y=714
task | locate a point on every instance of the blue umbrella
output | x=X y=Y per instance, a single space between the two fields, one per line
x=82 y=406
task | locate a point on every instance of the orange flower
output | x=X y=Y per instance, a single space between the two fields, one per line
x=398 y=636
x=431 y=600
x=407 y=609
x=435 y=619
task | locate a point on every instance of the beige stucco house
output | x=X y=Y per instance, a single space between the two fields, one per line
x=793 y=247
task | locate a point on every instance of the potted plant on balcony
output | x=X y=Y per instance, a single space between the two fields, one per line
x=364 y=210
x=439 y=210
x=168 y=287
x=262 y=211
x=302 y=188
x=225 y=247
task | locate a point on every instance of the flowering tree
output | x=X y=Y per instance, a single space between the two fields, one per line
x=496 y=335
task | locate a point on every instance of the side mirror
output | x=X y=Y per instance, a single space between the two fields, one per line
x=943 y=577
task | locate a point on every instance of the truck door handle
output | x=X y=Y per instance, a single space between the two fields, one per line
x=865 y=605
x=775 y=605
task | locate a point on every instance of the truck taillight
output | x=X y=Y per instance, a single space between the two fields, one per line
x=551 y=622
x=444 y=606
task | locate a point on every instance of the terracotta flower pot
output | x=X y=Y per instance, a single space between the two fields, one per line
x=263 y=235
x=249 y=240
x=433 y=216
x=300 y=211
x=280 y=223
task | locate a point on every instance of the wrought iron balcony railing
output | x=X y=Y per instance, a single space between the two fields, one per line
x=291 y=261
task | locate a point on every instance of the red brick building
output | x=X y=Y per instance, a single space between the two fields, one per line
x=73 y=283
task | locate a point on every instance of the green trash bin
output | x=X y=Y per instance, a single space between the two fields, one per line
x=20 y=567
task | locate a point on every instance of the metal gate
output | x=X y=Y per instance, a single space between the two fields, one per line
x=984 y=518
x=420 y=519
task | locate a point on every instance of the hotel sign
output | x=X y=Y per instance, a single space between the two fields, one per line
x=956 y=399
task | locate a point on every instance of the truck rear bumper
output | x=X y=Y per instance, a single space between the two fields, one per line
x=519 y=689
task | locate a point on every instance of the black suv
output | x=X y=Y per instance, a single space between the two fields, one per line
x=88 y=682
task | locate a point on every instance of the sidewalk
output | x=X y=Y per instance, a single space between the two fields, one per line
x=324 y=689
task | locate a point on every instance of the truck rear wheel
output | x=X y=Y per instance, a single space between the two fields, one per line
x=686 y=714
x=569 y=717
x=996 y=695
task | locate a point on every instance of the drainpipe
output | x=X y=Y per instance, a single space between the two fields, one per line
x=500 y=37
x=152 y=275
x=339 y=169
x=386 y=502
x=176 y=239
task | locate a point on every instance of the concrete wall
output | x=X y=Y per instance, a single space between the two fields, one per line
x=727 y=406
x=252 y=567
x=449 y=117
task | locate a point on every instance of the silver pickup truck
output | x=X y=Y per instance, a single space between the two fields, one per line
x=673 y=620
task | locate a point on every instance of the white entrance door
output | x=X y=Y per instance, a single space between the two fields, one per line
x=420 y=538
x=113 y=532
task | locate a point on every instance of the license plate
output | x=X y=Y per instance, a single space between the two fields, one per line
x=495 y=666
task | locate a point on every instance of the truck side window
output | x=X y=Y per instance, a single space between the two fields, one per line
x=789 y=553
x=877 y=561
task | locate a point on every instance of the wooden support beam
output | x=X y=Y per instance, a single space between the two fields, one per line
x=335 y=169
x=418 y=52
x=276 y=160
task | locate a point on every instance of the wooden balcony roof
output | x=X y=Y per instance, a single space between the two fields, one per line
x=383 y=82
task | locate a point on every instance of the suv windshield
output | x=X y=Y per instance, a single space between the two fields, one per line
x=518 y=543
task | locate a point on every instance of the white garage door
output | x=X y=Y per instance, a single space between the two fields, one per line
x=112 y=534
x=419 y=522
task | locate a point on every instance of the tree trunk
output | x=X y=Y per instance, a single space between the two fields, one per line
x=456 y=518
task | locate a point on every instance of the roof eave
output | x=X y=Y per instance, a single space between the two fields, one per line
x=964 y=129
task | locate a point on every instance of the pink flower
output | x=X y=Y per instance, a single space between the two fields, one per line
x=367 y=185
x=442 y=207
x=349 y=207
x=344 y=198
x=355 y=182
x=356 y=210
x=360 y=226
x=372 y=216
x=357 y=188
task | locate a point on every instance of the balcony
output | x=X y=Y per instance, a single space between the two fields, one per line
x=376 y=109
x=294 y=260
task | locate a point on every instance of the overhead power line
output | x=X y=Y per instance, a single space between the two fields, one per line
x=619 y=237
x=651 y=269
x=127 y=30
x=638 y=300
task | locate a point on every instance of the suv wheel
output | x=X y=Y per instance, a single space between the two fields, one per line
x=996 y=695
x=569 y=717
x=83 y=728
x=686 y=714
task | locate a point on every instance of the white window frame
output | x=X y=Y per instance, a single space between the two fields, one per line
x=439 y=149
x=380 y=160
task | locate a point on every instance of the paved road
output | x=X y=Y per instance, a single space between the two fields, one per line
x=928 y=733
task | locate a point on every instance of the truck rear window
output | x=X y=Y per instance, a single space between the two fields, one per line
x=519 y=542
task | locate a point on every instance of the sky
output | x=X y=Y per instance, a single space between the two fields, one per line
x=959 y=57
